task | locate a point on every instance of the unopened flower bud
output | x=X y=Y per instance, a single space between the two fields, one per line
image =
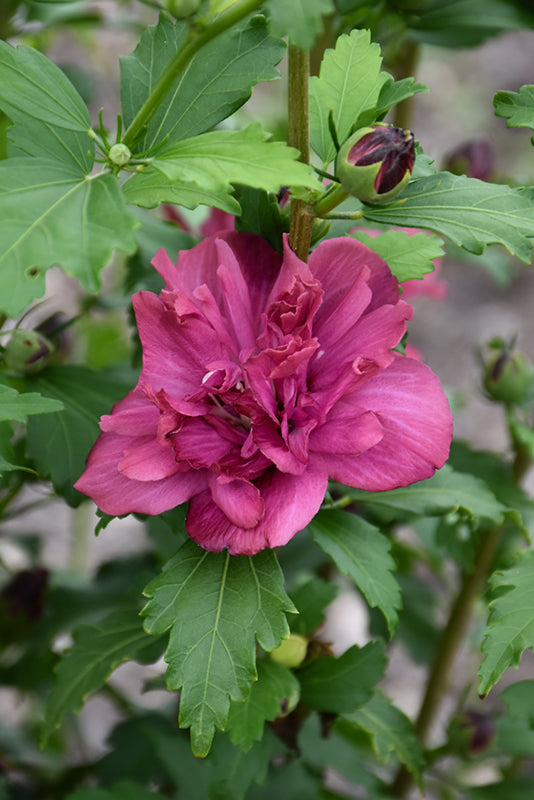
x=182 y=8
x=119 y=154
x=23 y=596
x=376 y=163
x=291 y=652
x=509 y=378
x=27 y=352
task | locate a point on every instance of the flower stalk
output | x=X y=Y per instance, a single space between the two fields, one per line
x=301 y=224
x=196 y=40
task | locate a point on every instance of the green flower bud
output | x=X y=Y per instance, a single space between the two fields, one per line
x=291 y=652
x=509 y=378
x=182 y=8
x=27 y=352
x=376 y=163
x=119 y=154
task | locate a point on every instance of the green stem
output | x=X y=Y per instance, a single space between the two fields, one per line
x=301 y=225
x=406 y=67
x=195 y=41
x=331 y=198
x=453 y=636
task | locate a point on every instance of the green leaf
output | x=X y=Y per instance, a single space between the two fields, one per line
x=276 y=684
x=211 y=162
x=97 y=651
x=124 y=790
x=464 y=23
x=50 y=214
x=234 y=772
x=471 y=213
x=311 y=600
x=444 y=492
x=60 y=442
x=338 y=685
x=407 y=256
x=16 y=406
x=32 y=84
x=510 y=628
x=519 y=699
x=393 y=92
x=31 y=137
x=512 y=789
x=391 y=732
x=360 y=551
x=215 y=606
x=516 y=107
x=216 y=82
x=349 y=84
x=301 y=20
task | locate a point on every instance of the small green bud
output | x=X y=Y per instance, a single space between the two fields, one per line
x=376 y=163
x=119 y=154
x=181 y=9
x=27 y=352
x=509 y=378
x=291 y=652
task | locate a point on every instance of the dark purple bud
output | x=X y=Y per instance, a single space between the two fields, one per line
x=23 y=595
x=474 y=159
x=480 y=729
x=376 y=162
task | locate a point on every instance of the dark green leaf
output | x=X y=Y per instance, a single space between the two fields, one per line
x=471 y=213
x=516 y=107
x=393 y=92
x=348 y=84
x=235 y=772
x=97 y=651
x=446 y=491
x=50 y=214
x=514 y=737
x=203 y=169
x=246 y=719
x=391 y=732
x=362 y=552
x=510 y=628
x=215 y=606
x=124 y=790
x=261 y=214
x=17 y=407
x=301 y=20
x=311 y=600
x=154 y=232
x=464 y=23
x=512 y=789
x=519 y=699
x=60 y=442
x=217 y=80
x=408 y=256
x=33 y=85
x=339 y=685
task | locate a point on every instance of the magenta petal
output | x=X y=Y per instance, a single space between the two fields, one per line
x=291 y=502
x=236 y=297
x=147 y=460
x=116 y=494
x=132 y=416
x=239 y=500
x=408 y=400
x=347 y=431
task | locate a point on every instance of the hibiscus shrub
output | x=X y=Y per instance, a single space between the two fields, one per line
x=243 y=390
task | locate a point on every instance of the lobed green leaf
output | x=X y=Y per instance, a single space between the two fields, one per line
x=391 y=732
x=214 y=84
x=301 y=20
x=49 y=215
x=519 y=699
x=471 y=213
x=516 y=107
x=408 y=256
x=362 y=552
x=338 y=685
x=17 y=406
x=215 y=606
x=275 y=686
x=510 y=628
x=349 y=83
x=203 y=169
x=97 y=651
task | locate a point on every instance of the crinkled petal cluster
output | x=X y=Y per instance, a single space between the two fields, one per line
x=263 y=377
